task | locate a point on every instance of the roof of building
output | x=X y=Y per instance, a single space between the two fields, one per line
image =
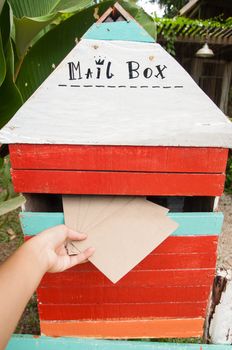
x=114 y=92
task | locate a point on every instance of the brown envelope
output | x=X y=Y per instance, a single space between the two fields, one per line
x=126 y=236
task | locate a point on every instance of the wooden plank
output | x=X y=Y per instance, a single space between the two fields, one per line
x=127 y=158
x=190 y=224
x=122 y=30
x=124 y=13
x=188 y=245
x=117 y=183
x=105 y=15
x=111 y=311
x=177 y=261
x=30 y=342
x=182 y=245
x=186 y=8
x=167 y=261
x=135 y=278
x=213 y=40
x=101 y=295
x=136 y=328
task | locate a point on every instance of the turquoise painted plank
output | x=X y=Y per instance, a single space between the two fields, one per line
x=33 y=223
x=197 y=224
x=124 y=31
x=190 y=224
x=46 y=343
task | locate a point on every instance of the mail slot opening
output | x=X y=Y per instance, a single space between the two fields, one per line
x=53 y=203
x=184 y=203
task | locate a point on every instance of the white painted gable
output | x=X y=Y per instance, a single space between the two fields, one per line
x=119 y=93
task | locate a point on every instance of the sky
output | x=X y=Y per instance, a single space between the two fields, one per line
x=150 y=8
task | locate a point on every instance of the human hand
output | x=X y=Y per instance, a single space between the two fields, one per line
x=49 y=247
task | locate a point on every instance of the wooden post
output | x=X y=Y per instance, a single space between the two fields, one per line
x=226 y=87
x=218 y=324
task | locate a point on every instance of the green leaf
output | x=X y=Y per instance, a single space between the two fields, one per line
x=32 y=16
x=2 y=2
x=5 y=25
x=5 y=28
x=46 y=53
x=11 y=204
x=146 y=21
x=37 y=8
x=26 y=30
x=64 y=6
x=2 y=62
x=31 y=8
x=10 y=97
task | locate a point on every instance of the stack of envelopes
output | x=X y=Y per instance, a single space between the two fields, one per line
x=123 y=230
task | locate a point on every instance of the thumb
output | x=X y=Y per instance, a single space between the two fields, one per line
x=81 y=257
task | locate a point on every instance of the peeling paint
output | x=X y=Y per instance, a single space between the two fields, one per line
x=219 y=320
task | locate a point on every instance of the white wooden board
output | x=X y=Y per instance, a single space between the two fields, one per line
x=147 y=99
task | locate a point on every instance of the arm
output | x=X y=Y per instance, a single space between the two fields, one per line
x=22 y=272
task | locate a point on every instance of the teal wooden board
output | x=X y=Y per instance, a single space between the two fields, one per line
x=190 y=224
x=46 y=343
x=124 y=31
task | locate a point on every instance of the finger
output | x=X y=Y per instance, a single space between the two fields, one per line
x=80 y=258
x=57 y=235
x=83 y=262
x=75 y=236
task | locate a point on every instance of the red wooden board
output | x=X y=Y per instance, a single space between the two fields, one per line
x=191 y=244
x=113 y=294
x=130 y=328
x=163 y=278
x=167 y=261
x=117 y=183
x=180 y=245
x=111 y=311
x=127 y=158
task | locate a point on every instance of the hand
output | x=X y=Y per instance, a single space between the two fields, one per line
x=49 y=247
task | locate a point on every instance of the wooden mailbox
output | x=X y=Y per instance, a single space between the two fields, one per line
x=120 y=116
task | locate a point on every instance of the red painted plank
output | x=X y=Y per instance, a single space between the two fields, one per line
x=168 y=261
x=163 y=278
x=120 y=183
x=114 y=294
x=111 y=311
x=179 y=245
x=130 y=328
x=127 y=158
x=191 y=244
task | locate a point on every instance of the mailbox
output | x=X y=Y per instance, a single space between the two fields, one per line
x=119 y=116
